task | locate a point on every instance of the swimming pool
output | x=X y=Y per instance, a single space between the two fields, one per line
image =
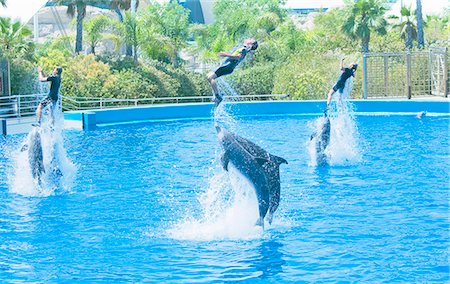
x=150 y=202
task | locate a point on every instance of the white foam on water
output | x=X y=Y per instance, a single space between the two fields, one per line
x=229 y=210
x=344 y=146
x=55 y=157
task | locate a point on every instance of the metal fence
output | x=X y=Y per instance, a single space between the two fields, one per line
x=406 y=74
x=19 y=106
x=25 y=105
x=85 y=103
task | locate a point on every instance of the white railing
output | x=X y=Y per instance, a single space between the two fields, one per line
x=20 y=105
x=25 y=105
x=86 y=103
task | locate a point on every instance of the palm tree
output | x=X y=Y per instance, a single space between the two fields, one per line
x=130 y=33
x=407 y=28
x=3 y=3
x=78 y=8
x=166 y=29
x=12 y=38
x=363 y=18
x=94 y=29
x=420 y=40
x=119 y=6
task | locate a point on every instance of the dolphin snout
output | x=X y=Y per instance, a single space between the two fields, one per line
x=217 y=127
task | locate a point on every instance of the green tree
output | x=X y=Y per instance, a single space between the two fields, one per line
x=364 y=17
x=437 y=28
x=3 y=3
x=13 y=36
x=408 y=31
x=120 y=7
x=97 y=29
x=235 y=20
x=166 y=28
x=78 y=8
x=130 y=32
x=420 y=39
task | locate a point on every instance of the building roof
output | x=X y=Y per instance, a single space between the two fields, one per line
x=313 y=4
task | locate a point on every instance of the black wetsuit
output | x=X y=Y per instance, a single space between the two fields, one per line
x=340 y=84
x=55 y=84
x=229 y=64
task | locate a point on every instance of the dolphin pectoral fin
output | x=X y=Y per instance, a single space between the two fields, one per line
x=224 y=160
x=277 y=160
x=261 y=161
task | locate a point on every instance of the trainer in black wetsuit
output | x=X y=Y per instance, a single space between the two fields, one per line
x=52 y=97
x=229 y=65
x=340 y=84
x=347 y=72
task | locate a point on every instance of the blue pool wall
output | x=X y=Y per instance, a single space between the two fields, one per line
x=94 y=118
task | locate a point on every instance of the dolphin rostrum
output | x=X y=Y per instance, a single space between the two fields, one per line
x=261 y=168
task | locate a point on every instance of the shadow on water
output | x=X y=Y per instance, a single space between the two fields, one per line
x=319 y=175
x=262 y=261
x=271 y=259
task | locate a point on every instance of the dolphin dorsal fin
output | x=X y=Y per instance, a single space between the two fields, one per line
x=278 y=160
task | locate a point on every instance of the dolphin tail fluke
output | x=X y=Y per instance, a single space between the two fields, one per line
x=260 y=222
x=278 y=160
x=270 y=218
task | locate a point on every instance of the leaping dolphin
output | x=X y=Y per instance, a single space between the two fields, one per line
x=321 y=139
x=261 y=168
x=35 y=156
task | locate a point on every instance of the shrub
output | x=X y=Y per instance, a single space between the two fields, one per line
x=128 y=84
x=24 y=77
x=256 y=80
x=191 y=84
x=117 y=62
x=166 y=85
x=300 y=85
x=84 y=77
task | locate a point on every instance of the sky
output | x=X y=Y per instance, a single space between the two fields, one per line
x=25 y=9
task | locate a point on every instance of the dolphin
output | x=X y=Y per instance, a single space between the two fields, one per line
x=322 y=138
x=261 y=168
x=35 y=156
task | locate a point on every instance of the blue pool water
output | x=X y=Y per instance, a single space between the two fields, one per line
x=151 y=203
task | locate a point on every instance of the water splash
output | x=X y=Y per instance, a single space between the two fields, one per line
x=344 y=146
x=229 y=210
x=344 y=137
x=224 y=114
x=225 y=88
x=59 y=170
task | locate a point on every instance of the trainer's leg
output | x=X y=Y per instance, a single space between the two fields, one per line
x=330 y=95
x=39 y=112
x=212 y=80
